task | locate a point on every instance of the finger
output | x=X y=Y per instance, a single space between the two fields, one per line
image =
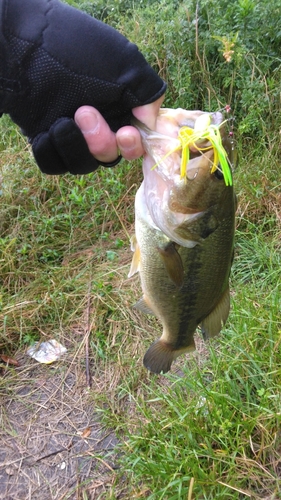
x=63 y=149
x=148 y=113
x=129 y=143
x=97 y=133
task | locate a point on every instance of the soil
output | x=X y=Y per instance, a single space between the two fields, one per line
x=53 y=445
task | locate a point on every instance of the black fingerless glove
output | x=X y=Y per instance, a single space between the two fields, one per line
x=54 y=59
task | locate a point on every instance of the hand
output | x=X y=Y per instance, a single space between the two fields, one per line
x=55 y=59
x=104 y=144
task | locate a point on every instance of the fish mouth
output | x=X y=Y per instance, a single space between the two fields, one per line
x=180 y=209
x=175 y=205
x=197 y=133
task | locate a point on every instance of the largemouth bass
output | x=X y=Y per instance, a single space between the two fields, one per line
x=184 y=234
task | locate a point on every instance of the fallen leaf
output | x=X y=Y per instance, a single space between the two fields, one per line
x=8 y=360
x=86 y=433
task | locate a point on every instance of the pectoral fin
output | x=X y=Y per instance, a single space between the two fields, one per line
x=212 y=325
x=134 y=243
x=173 y=263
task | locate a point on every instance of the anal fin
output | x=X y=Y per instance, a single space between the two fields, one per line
x=212 y=325
x=143 y=306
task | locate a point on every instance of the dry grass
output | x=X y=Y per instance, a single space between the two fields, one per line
x=48 y=408
x=53 y=445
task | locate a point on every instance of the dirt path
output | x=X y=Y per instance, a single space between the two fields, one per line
x=52 y=444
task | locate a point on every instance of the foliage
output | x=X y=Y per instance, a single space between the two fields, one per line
x=210 y=53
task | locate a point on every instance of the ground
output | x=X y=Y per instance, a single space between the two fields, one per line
x=53 y=445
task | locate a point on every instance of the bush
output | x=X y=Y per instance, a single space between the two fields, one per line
x=210 y=53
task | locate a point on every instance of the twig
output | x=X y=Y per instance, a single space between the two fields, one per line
x=235 y=489
x=102 y=461
x=196 y=36
x=88 y=329
x=61 y=450
x=190 y=489
x=51 y=454
x=78 y=488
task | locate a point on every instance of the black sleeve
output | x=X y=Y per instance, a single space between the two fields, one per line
x=54 y=59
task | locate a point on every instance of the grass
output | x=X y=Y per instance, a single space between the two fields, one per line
x=211 y=428
x=214 y=431
x=219 y=425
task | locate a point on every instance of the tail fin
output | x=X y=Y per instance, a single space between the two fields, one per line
x=159 y=357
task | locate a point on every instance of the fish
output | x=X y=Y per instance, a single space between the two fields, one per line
x=184 y=232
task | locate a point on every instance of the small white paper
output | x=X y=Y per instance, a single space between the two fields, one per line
x=46 y=352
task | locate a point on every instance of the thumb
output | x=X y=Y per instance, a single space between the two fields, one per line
x=148 y=113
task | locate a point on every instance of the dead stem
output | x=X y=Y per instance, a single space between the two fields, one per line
x=87 y=334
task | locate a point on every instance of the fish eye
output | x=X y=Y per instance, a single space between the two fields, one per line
x=218 y=173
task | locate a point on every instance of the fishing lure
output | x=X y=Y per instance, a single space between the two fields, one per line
x=203 y=130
